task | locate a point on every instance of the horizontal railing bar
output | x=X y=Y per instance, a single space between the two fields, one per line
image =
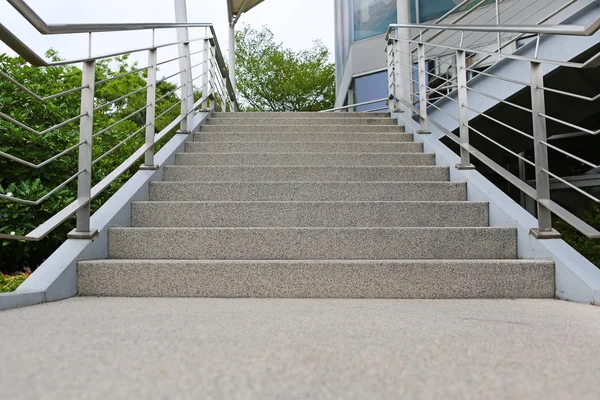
x=568 y=30
x=42 y=133
x=44 y=163
x=356 y=105
x=566 y=153
x=570 y=125
x=168 y=109
x=199 y=64
x=571 y=219
x=121 y=143
x=556 y=12
x=445 y=112
x=171 y=60
x=566 y=64
x=501 y=146
x=121 y=75
x=120 y=121
x=376 y=109
x=199 y=76
x=577 y=96
x=522 y=83
x=35 y=95
x=121 y=98
x=168 y=93
x=500 y=100
x=46 y=196
x=520 y=132
x=569 y=184
x=169 y=77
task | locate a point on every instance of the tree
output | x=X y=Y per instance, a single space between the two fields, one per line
x=32 y=184
x=271 y=77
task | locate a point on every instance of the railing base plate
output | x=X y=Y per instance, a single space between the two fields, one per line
x=420 y=132
x=552 y=234
x=82 y=235
x=149 y=167
x=465 y=167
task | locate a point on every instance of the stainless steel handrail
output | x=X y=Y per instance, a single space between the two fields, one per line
x=400 y=83
x=213 y=63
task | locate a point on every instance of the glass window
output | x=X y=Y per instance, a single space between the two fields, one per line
x=370 y=87
x=433 y=9
x=372 y=17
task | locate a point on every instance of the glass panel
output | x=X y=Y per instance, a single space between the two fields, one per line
x=433 y=9
x=370 y=87
x=372 y=17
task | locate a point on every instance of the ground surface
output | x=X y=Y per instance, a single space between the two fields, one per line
x=300 y=349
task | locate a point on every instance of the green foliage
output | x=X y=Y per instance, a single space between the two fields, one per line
x=273 y=78
x=32 y=184
x=589 y=248
x=9 y=283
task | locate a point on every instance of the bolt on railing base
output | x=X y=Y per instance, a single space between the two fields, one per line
x=74 y=234
x=549 y=234
x=465 y=167
x=420 y=132
x=149 y=167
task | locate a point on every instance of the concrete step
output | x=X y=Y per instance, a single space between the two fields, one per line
x=305 y=159
x=322 y=128
x=308 y=191
x=311 y=243
x=309 y=214
x=301 y=121
x=402 y=279
x=303 y=137
x=303 y=147
x=305 y=173
x=296 y=115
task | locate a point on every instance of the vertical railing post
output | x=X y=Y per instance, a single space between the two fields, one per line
x=206 y=72
x=398 y=87
x=463 y=111
x=212 y=78
x=391 y=72
x=86 y=131
x=185 y=66
x=542 y=179
x=150 y=111
x=422 y=89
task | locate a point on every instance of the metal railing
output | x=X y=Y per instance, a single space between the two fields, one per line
x=213 y=91
x=411 y=88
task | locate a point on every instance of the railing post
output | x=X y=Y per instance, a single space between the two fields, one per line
x=86 y=131
x=463 y=111
x=398 y=78
x=206 y=71
x=391 y=73
x=422 y=90
x=185 y=66
x=542 y=179
x=150 y=111
x=212 y=79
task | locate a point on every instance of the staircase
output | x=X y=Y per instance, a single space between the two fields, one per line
x=308 y=205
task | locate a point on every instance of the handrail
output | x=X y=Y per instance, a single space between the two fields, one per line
x=216 y=90
x=58 y=29
x=422 y=99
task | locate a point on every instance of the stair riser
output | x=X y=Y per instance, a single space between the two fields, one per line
x=295 y=115
x=303 y=128
x=341 y=159
x=311 y=243
x=295 y=214
x=373 y=280
x=303 y=147
x=309 y=191
x=303 y=137
x=301 y=121
x=274 y=173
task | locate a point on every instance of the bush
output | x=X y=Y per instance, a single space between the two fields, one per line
x=32 y=184
x=10 y=283
x=589 y=248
